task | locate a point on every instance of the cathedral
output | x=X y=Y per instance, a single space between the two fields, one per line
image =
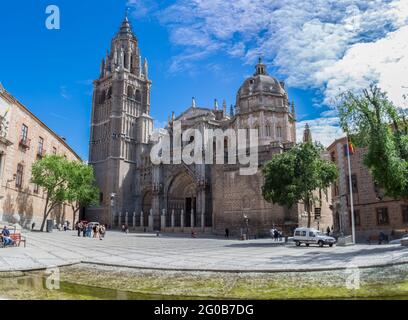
x=206 y=198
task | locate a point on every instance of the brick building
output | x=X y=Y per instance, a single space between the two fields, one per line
x=372 y=210
x=24 y=139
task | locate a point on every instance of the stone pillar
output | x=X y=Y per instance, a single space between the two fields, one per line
x=172 y=219
x=163 y=220
x=203 y=221
x=182 y=220
x=119 y=219
x=151 y=220
x=141 y=219
x=134 y=220
x=192 y=218
x=126 y=218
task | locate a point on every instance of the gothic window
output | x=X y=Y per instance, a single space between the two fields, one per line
x=268 y=130
x=259 y=130
x=109 y=94
x=130 y=92
x=279 y=132
x=102 y=97
x=138 y=96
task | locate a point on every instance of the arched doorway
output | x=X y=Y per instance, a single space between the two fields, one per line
x=146 y=206
x=182 y=196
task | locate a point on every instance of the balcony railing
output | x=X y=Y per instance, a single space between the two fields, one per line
x=41 y=153
x=25 y=142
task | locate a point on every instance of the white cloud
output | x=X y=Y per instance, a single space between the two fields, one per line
x=324 y=130
x=323 y=44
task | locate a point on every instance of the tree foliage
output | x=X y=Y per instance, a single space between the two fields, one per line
x=293 y=176
x=375 y=123
x=81 y=191
x=64 y=181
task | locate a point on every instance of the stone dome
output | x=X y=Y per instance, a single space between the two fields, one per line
x=261 y=82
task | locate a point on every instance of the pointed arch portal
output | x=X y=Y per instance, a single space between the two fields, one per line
x=182 y=196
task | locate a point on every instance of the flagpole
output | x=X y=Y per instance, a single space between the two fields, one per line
x=353 y=229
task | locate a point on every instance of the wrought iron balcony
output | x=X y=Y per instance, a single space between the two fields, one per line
x=25 y=142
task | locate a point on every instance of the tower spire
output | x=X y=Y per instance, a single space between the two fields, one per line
x=307 y=134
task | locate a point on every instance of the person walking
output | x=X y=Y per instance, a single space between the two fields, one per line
x=227 y=232
x=79 y=229
x=102 y=232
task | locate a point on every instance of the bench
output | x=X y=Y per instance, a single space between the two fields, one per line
x=17 y=239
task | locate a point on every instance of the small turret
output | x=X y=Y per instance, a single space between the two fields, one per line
x=193 y=103
x=231 y=111
x=293 y=110
x=260 y=68
x=146 y=68
x=307 y=134
x=215 y=104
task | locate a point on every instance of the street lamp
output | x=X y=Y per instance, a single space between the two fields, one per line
x=112 y=205
x=246 y=220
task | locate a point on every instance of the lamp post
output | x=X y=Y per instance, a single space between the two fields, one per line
x=246 y=220
x=112 y=205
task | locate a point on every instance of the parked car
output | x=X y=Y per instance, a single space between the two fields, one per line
x=312 y=236
x=398 y=241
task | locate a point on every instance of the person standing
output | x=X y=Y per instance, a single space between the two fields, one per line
x=79 y=228
x=227 y=232
x=328 y=231
x=102 y=232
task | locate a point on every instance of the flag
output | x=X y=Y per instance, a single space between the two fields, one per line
x=351 y=148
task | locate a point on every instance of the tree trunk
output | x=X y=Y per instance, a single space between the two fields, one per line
x=309 y=215
x=45 y=215
x=74 y=212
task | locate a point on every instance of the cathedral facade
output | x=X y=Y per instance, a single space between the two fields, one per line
x=180 y=197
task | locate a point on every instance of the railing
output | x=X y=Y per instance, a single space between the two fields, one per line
x=41 y=153
x=25 y=142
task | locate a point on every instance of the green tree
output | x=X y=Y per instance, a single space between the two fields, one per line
x=52 y=174
x=64 y=181
x=81 y=187
x=375 y=123
x=293 y=176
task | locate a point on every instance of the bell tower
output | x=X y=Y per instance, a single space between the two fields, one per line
x=121 y=123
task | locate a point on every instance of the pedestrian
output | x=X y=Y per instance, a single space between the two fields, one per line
x=33 y=226
x=84 y=229
x=328 y=231
x=79 y=229
x=126 y=229
x=95 y=231
x=65 y=226
x=227 y=233
x=193 y=234
x=102 y=232
x=275 y=235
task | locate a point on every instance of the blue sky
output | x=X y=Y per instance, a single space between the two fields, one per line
x=204 y=49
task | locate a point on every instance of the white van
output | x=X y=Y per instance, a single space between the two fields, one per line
x=312 y=236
